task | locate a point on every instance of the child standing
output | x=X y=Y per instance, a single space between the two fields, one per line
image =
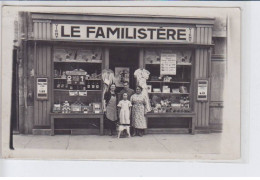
x=125 y=109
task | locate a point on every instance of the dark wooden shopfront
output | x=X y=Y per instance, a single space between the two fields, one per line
x=38 y=53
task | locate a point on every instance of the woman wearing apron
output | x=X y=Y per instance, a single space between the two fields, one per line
x=110 y=108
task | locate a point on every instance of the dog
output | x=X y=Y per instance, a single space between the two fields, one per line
x=121 y=128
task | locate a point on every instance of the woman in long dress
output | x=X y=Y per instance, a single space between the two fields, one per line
x=138 y=111
x=110 y=108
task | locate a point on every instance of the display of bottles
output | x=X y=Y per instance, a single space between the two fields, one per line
x=61 y=84
x=77 y=87
x=81 y=87
x=58 y=85
x=66 y=86
x=70 y=87
x=88 y=85
x=93 y=86
x=97 y=85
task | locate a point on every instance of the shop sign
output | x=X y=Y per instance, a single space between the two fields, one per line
x=168 y=64
x=202 y=92
x=122 y=33
x=42 y=88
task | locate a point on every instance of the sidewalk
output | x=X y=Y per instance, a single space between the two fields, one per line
x=168 y=144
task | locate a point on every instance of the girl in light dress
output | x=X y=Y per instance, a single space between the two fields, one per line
x=125 y=109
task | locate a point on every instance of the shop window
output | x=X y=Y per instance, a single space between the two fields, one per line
x=77 y=83
x=169 y=84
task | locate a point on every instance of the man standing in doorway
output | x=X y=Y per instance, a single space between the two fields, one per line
x=127 y=90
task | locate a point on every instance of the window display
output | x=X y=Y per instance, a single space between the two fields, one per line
x=77 y=80
x=170 y=91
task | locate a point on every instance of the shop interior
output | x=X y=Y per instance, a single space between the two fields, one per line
x=124 y=57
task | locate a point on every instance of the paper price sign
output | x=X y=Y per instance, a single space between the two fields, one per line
x=202 y=94
x=168 y=64
x=42 y=88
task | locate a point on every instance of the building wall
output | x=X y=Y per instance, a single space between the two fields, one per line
x=217 y=75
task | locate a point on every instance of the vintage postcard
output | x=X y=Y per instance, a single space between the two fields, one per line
x=121 y=83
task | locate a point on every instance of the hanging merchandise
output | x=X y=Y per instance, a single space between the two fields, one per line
x=141 y=76
x=60 y=55
x=184 y=57
x=152 y=56
x=108 y=78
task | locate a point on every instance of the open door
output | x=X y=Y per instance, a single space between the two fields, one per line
x=123 y=59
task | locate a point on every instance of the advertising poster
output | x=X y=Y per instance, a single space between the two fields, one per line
x=42 y=88
x=121 y=75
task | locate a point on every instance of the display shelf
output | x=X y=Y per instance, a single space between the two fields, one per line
x=85 y=79
x=168 y=93
x=76 y=61
x=156 y=63
x=93 y=79
x=60 y=78
x=171 y=116
x=183 y=64
x=178 y=64
x=75 y=113
x=174 y=82
x=73 y=90
x=170 y=113
x=86 y=117
x=67 y=92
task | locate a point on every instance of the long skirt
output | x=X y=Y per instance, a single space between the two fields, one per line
x=138 y=118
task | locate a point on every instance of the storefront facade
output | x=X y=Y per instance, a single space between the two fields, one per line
x=65 y=55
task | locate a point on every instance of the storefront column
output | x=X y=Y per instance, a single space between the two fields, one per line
x=42 y=67
x=203 y=36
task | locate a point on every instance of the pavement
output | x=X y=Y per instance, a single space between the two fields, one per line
x=152 y=145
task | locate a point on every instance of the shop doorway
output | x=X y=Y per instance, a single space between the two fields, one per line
x=123 y=60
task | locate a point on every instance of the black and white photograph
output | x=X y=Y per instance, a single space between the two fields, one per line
x=124 y=83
